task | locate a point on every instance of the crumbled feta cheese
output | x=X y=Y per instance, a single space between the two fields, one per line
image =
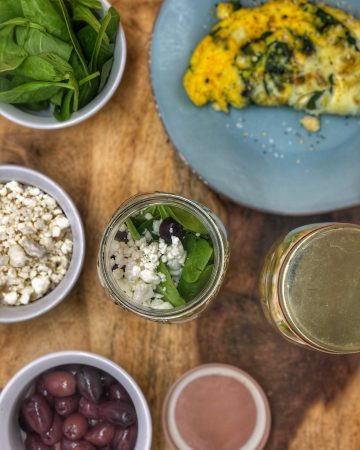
x=35 y=243
x=40 y=285
x=135 y=266
x=17 y=256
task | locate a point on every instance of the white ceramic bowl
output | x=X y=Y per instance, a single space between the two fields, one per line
x=10 y=314
x=46 y=121
x=17 y=388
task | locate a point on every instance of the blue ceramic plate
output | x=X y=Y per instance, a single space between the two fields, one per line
x=260 y=157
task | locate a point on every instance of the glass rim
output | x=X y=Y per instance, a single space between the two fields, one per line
x=135 y=204
x=281 y=288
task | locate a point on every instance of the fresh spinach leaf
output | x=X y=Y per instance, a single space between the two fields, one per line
x=164 y=212
x=10 y=9
x=113 y=27
x=11 y=54
x=191 y=290
x=168 y=289
x=63 y=112
x=187 y=220
x=89 y=78
x=57 y=99
x=36 y=91
x=99 y=39
x=92 y=4
x=45 y=67
x=35 y=41
x=87 y=38
x=45 y=13
x=36 y=107
x=199 y=252
x=80 y=56
x=105 y=72
x=83 y=14
x=133 y=231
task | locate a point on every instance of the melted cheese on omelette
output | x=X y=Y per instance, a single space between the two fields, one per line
x=284 y=52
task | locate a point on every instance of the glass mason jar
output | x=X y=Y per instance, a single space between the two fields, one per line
x=217 y=233
x=310 y=287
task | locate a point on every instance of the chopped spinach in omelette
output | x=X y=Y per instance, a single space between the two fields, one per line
x=284 y=52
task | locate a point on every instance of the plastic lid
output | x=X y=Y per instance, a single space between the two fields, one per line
x=216 y=406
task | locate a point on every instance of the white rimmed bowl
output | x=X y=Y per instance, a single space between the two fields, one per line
x=11 y=314
x=44 y=120
x=17 y=388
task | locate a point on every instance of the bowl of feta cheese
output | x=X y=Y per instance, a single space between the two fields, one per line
x=42 y=244
x=163 y=257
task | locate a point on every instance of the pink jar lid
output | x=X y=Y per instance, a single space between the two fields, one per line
x=216 y=407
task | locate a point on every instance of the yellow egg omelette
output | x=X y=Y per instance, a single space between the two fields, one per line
x=284 y=52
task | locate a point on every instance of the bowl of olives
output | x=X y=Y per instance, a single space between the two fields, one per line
x=74 y=401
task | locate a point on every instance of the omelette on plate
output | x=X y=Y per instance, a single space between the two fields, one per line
x=284 y=52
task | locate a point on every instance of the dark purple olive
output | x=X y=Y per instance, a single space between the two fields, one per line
x=33 y=442
x=41 y=389
x=88 y=409
x=23 y=424
x=169 y=227
x=72 y=368
x=118 y=392
x=37 y=413
x=121 y=236
x=67 y=405
x=106 y=379
x=75 y=427
x=60 y=383
x=66 y=444
x=89 y=383
x=125 y=439
x=54 y=435
x=100 y=434
x=117 y=412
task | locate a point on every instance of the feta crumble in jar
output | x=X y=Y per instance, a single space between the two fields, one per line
x=310 y=287
x=163 y=257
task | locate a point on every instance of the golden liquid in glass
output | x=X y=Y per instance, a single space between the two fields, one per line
x=320 y=288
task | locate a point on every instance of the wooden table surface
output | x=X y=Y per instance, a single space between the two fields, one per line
x=122 y=151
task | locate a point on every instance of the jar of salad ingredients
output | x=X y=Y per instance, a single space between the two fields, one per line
x=163 y=257
x=310 y=287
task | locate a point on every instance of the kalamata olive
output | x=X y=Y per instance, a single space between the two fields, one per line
x=169 y=227
x=125 y=439
x=23 y=424
x=118 y=392
x=75 y=427
x=117 y=412
x=121 y=236
x=55 y=433
x=106 y=379
x=41 y=389
x=89 y=383
x=33 y=442
x=67 y=405
x=66 y=444
x=88 y=409
x=60 y=383
x=72 y=368
x=100 y=434
x=37 y=413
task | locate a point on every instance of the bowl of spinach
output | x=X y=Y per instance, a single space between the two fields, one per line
x=60 y=60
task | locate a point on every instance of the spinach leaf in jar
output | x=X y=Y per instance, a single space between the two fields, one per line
x=191 y=290
x=199 y=254
x=168 y=289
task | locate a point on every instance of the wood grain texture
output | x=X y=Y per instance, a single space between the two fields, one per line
x=122 y=151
